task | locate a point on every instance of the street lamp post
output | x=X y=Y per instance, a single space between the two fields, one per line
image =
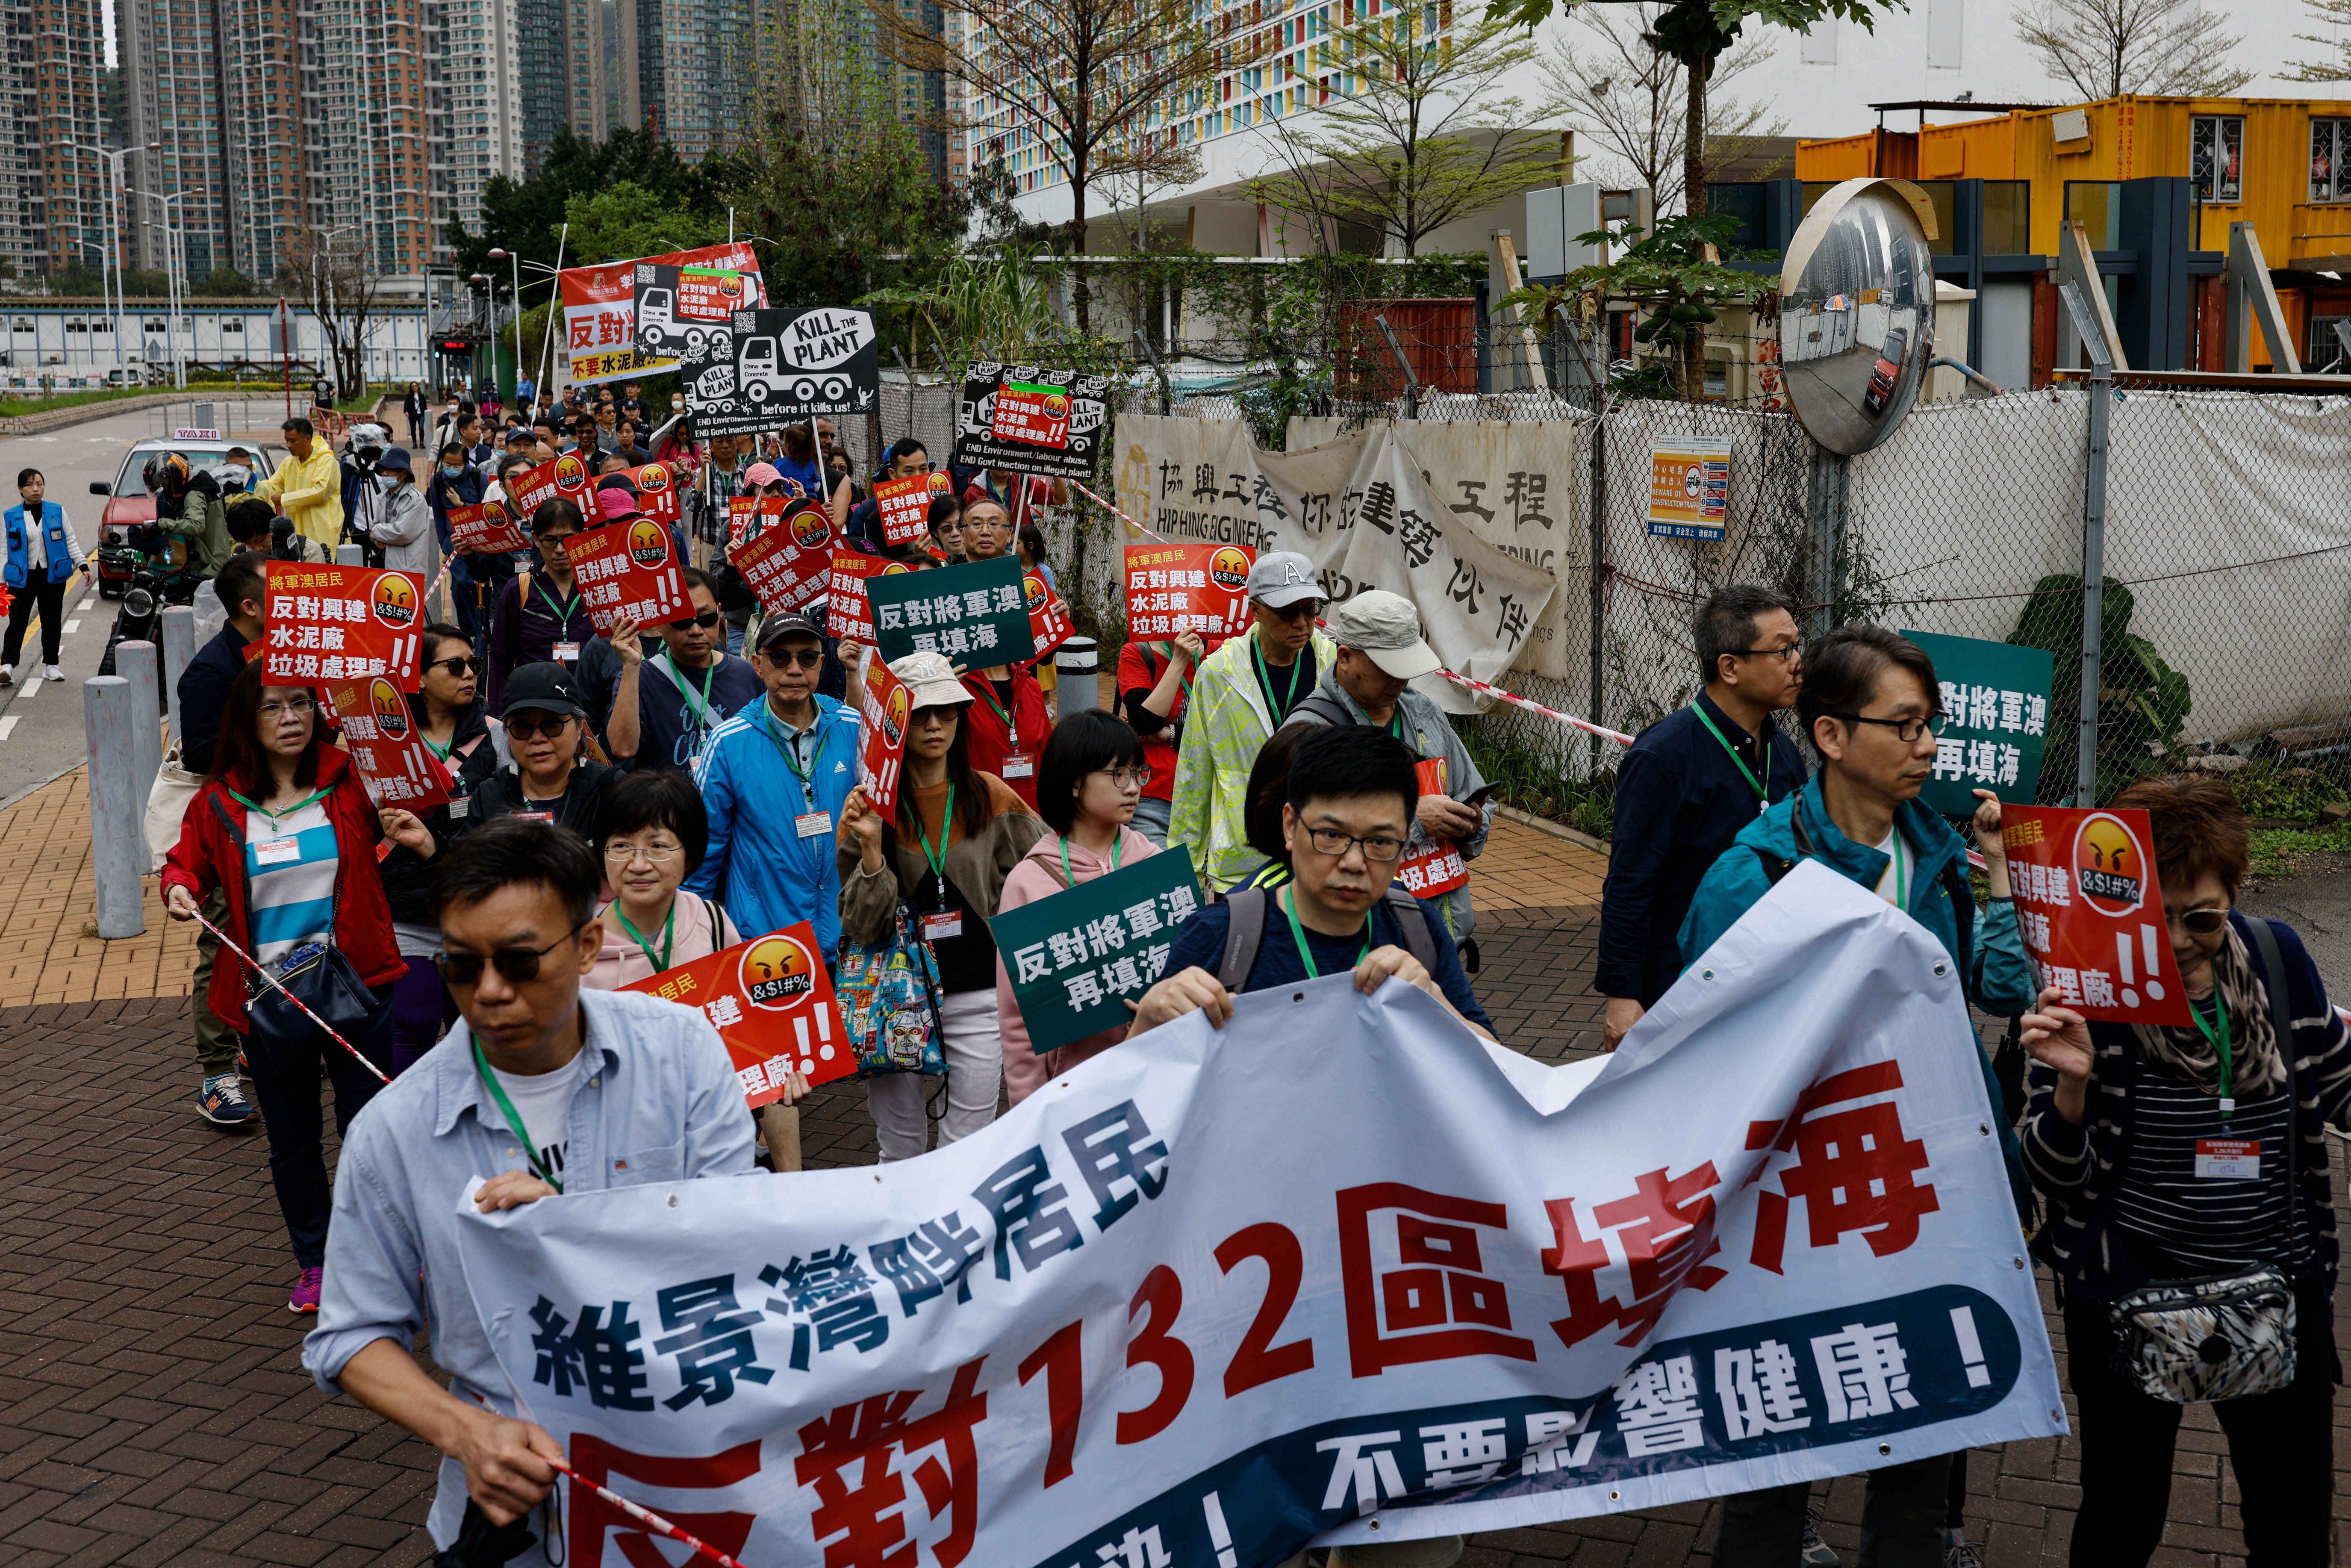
x=481 y=280
x=514 y=263
x=112 y=157
x=174 y=283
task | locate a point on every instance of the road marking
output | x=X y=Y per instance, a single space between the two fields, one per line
x=83 y=608
x=72 y=627
x=30 y=686
x=6 y=725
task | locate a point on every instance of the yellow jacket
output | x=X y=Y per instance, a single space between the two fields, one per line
x=310 y=491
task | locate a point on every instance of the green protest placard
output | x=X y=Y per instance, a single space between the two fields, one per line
x=1078 y=957
x=1995 y=720
x=976 y=614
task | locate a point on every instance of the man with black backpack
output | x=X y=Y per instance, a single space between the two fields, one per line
x=1352 y=797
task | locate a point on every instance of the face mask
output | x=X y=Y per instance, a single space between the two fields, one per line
x=236 y=473
x=453 y=471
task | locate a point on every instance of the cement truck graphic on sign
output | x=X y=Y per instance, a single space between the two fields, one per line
x=770 y=368
x=1028 y=419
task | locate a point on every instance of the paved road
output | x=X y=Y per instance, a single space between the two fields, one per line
x=2317 y=904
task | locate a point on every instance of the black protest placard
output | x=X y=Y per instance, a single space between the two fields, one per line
x=768 y=368
x=1026 y=419
x=678 y=308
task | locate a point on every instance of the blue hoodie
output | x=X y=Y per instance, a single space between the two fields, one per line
x=758 y=865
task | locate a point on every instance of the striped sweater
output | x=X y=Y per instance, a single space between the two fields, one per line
x=2078 y=1169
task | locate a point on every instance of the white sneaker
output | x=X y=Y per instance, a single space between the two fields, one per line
x=51 y=673
x=1815 y=1553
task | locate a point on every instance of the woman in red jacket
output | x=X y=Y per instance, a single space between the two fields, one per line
x=285 y=829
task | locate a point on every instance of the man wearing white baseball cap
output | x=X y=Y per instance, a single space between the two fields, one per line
x=1241 y=694
x=1380 y=653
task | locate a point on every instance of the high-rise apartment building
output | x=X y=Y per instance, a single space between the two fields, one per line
x=53 y=203
x=179 y=186
x=260 y=128
x=475 y=98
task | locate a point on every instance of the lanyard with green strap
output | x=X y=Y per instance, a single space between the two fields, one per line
x=283 y=811
x=660 y=961
x=988 y=692
x=562 y=615
x=1763 y=750
x=938 y=860
x=1901 y=876
x=669 y=667
x=788 y=749
x=1297 y=934
x=514 y=1119
x=1274 y=710
x=2221 y=1044
x=1167 y=651
x=1068 y=877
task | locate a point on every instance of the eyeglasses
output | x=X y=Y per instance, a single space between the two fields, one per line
x=806 y=658
x=1330 y=842
x=301 y=707
x=1782 y=654
x=1292 y=611
x=516 y=965
x=555 y=539
x=1126 y=778
x=2203 y=922
x=551 y=725
x=706 y=620
x=620 y=851
x=1906 y=731
x=458 y=666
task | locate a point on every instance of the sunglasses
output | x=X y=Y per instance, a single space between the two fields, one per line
x=551 y=725
x=1292 y=611
x=706 y=620
x=806 y=658
x=2203 y=922
x=457 y=666
x=515 y=964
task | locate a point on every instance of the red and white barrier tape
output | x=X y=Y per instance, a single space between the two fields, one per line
x=648 y=1518
x=269 y=980
x=1586 y=724
x=1114 y=512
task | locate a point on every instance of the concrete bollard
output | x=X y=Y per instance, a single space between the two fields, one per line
x=111 y=716
x=139 y=663
x=1077 y=672
x=179 y=641
x=350 y=555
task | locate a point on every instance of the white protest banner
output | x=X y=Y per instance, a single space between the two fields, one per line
x=1360 y=508
x=1337 y=1270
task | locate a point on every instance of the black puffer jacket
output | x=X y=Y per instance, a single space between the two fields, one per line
x=473 y=759
x=501 y=795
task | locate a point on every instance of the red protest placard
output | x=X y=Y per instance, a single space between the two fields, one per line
x=785 y=573
x=1049 y=618
x=484 y=530
x=566 y=475
x=904 y=504
x=2091 y=912
x=772 y=1001
x=1036 y=414
x=629 y=571
x=742 y=509
x=657 y=491
x=340 y=623
x=1436 y=867
x=885 y=747
x=851 y=607
x=1177 y=588
x=385 y=746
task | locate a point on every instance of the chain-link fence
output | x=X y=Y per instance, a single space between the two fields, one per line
x=2223 y=605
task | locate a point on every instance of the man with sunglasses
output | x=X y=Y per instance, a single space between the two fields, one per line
x=1871 y=707
x=1241 y=694
x=541 y=1089
x=774 y=780
x=1007 y=724
x=1692 y=781
x=661 y=712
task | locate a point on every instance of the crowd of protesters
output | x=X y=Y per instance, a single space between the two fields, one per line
x=623 y=804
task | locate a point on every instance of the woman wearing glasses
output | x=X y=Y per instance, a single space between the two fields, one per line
x=548 y=778
x=1092 y=777
x=470 y=746
x=2188 y=1152
x=278 y=817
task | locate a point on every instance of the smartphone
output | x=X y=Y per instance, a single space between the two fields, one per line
x=1478 y=797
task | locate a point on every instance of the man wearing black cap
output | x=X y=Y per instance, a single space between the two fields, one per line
x=774 y=778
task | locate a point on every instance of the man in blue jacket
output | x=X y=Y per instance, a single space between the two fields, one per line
x=1871 y=705
x=774 y=778
x=1692 y=781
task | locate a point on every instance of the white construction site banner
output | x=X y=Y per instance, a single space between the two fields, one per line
x=1362 y=508
x=1336 y=1272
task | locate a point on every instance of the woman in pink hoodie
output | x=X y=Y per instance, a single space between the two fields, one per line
x=1091 y=777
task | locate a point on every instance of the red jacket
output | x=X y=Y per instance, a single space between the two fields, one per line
x=987 y=743
x=211 y=854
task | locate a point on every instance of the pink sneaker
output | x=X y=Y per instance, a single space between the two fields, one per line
x=305 y=1298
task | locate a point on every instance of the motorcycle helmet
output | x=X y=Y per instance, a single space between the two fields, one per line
x=167 y=476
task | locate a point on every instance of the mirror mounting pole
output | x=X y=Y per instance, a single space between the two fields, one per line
x=2094 y=541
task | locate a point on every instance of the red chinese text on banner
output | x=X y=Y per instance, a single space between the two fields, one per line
x=2091 y=912
x=385 y=746
x=1049 y=618
x=656 y=485
x=1436 y=867
x=786 y=575
x=484 y=530
x=885 y=747
x=600 y=308
x=742 y=509
x=566 y=475
x=340 y=623
x=1176 y=588
x=1036 y=414
x=904 y=504
x=851 y=607
x=772 y=1001
x=628 y=571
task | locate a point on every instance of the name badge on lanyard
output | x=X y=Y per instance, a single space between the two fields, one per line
x=565 y=653
x=2229 y=1159
x=938 y=925
x=278 y=852
x=813 y=824
x=1020 y=765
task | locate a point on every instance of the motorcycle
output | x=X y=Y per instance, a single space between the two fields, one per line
x=164 y=571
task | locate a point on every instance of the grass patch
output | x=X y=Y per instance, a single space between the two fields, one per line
x=19 y=407
x=2277 y=851
x=1534 y=774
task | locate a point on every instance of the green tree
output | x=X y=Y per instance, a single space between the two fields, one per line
x=626 y=219
x=526 y=216
x=226 y=283
x=1424 y=135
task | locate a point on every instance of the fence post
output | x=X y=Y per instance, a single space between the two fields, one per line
x=136 y=662
x=1832 y=472
x=1077 y=676
x=1598 y=611
x=2093 y=542
x=118 y=849
x=179 y=643
x=350 y=555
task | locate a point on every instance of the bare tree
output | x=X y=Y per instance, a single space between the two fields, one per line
x=1077 y=79
x=2104 y=48
x=342 y=291
x=1630 y=98
x=2334 y=13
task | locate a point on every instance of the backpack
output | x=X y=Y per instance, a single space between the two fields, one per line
x=1329 y=710
x=1247 y=931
